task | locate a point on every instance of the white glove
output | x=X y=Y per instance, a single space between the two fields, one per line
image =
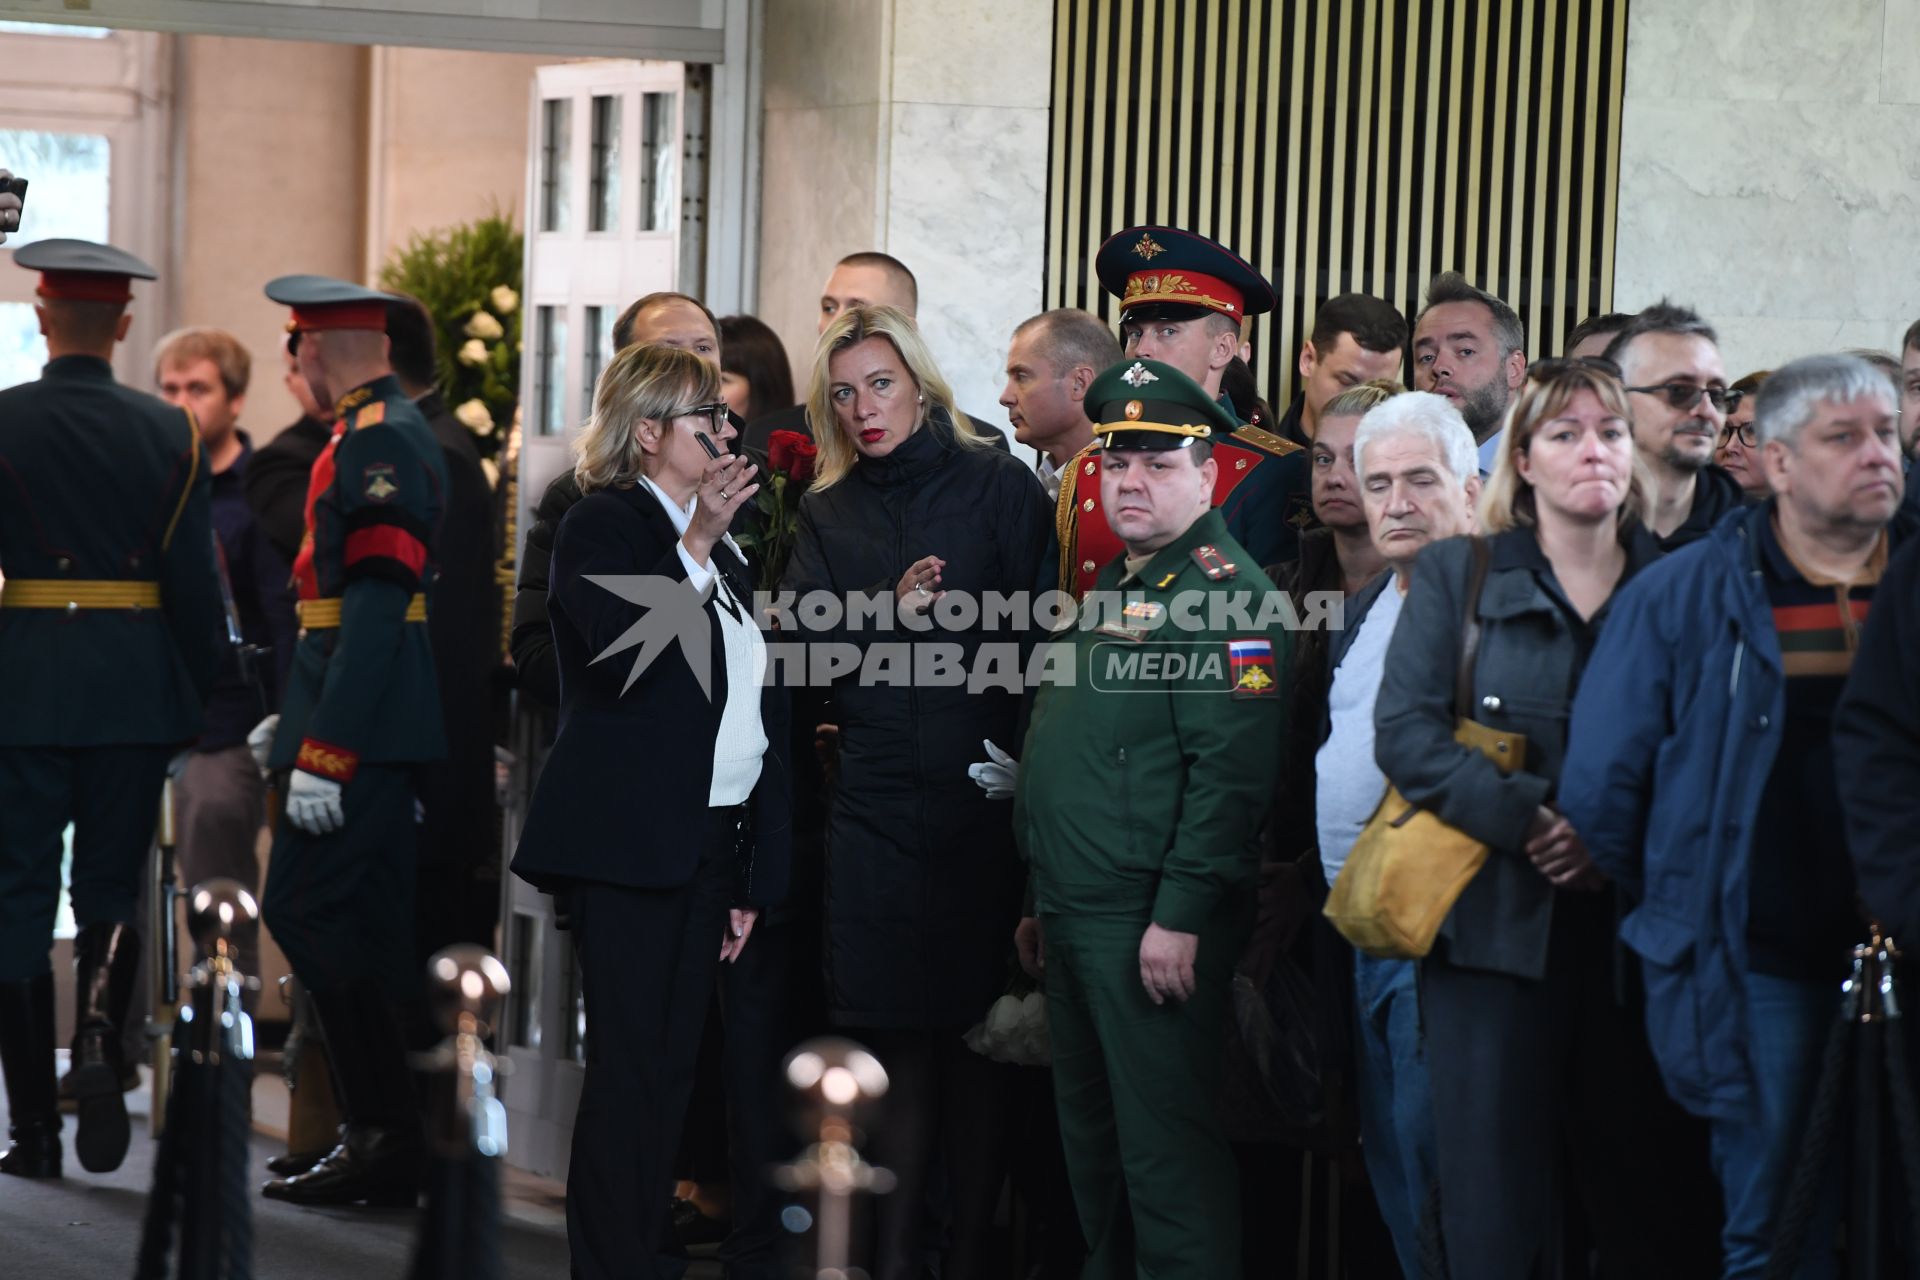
x=260 y=741
x=996 y=774
x=313 y=803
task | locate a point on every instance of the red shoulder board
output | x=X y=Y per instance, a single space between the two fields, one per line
x=1212 y=563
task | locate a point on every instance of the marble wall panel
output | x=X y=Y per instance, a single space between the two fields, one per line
x=966 y=211
x=1730 y=51
x=992 y=53
x=1770 y=172
x=821 y=179
x=1900 y=53
x=825 y=53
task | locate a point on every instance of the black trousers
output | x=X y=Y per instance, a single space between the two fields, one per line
x=341 y=904
x=647 y=959
x=1546 y=1098
x=111 y=795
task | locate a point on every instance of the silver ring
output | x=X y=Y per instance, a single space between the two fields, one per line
x=725 y=496
x=922 y=589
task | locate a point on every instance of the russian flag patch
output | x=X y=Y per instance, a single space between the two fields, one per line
x=1250 y=668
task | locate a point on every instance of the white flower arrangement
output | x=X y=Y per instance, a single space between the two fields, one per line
x=505 y=301
x=1015 y=1031
x=474 y=417
x=473 y=352
x=481 y=324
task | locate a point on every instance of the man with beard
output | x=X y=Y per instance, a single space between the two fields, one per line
x=1669 y=359
x=1470 y=347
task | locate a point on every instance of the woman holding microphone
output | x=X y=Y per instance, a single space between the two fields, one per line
x=662 y=811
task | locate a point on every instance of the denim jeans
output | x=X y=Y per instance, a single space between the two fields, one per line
x=1788 y=1022
x=1395 y=1099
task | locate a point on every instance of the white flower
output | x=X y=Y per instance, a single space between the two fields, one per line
x=1003 y=1019
x=504 y=300
x=473 y=352
x=474 y=417
x=483 y=325
x=492 y=471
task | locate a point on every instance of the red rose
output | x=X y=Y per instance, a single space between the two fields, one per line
x=793 y=453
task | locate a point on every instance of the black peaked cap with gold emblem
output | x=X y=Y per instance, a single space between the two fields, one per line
x=1148 y=405
x=1164 y=273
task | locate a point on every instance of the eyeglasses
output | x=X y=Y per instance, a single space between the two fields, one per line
x=1552 y=367
x=1685 y=395
x=715 y=413
x=1748 y=436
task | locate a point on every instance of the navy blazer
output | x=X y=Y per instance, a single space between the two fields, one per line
x=622 y=799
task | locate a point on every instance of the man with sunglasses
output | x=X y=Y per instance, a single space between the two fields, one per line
x=1669 y=359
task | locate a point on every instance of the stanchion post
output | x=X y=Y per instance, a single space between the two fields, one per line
x=163 y=960
x=836 y=1081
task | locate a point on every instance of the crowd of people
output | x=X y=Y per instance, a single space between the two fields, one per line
x=1630 y=629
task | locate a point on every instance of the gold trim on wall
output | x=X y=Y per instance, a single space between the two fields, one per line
x=1346 y=145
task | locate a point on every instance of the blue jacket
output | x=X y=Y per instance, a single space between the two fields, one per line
x=1675 y=729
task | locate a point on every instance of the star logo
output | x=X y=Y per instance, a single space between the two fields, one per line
x=675 y=613
x=1148 y=247
x=1139 y=375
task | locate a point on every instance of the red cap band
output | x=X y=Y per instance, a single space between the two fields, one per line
x=85 y=286
x=1192 y=288
x=340 y=315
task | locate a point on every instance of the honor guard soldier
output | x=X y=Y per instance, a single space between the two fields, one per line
x=1143 y=785
x=1184 y=301
x=362 y=709
x=111 y=632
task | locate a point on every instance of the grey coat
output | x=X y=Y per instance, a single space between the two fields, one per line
x=1533 y=646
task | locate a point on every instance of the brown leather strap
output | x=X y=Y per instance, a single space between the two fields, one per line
x=1470 y=629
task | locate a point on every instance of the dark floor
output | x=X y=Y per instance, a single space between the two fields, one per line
x=87 y=1226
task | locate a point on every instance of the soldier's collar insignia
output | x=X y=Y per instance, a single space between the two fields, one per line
x=372 y=414
x=1212 y=563
x=1148 y=248
x=1166 y=581
x=1139 y=375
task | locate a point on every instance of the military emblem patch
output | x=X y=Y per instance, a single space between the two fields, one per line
x=1250 y=667
x=1148 y=248
x=1133 y=410
x=1139 y=375
x=376 y=482
x=1212 y=563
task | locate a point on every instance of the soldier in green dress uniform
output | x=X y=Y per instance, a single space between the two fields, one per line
x=362 y=709
x=1141 y=791
x=111 y=632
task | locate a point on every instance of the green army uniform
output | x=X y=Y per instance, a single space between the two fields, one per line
x=1142 y=787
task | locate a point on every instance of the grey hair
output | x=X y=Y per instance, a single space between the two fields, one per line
x=1428 y=416
x=1787 y=399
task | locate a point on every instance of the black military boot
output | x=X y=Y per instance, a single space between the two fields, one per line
x=26 y=1053
x=382 y=1152
x=105 y=958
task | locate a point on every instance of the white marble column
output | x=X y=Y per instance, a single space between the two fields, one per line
x=918 y=128
x=1770 y=171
